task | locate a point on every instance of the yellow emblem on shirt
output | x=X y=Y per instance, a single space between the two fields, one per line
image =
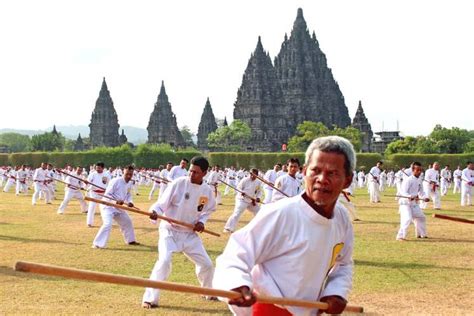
x=203 y=200
x=335 y=252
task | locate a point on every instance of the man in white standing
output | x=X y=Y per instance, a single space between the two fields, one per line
x=248 y=200
x=39 y=178
x=190 y=200
x=445 y=180
x=374 y=182
x=120 y=190
x=231 y=178
x=409 y=208
x=270 y=176
x=467 y=180
x=100 y=179
x=431 y=186
x=179 y=171
x=287 y=182
x=73 y=191
x=457 y=180
x=21 y=177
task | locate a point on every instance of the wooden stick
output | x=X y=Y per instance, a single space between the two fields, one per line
x=270 y=184
x=139 y=211
x=241 y=192
x=454 y=219
x=45 y=269
x=83 y=180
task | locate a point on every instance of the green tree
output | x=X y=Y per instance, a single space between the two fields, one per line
x=450 y=140
x=16 y=142
x=230 y=138
x=307 y=131
x=48 y=142
x=187 y=136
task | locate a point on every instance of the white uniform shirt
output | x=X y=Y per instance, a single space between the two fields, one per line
x=187 y=202
x=40 y=175
x=75 y=183
x=231 y=175
x=119 y=190
x=411 y=187
x=445 y=174
x=432 y=176
x=99 y=179
x=177 y=172
x=214 y=177
x=21 y=175
x=294 y=261
x=250 y=188
x=270 y=176
x=286 y=183
x=467 y=176
x=374 y=174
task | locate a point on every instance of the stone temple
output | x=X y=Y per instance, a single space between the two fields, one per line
x=162 y=127
x=299 y=86
x=104 y=124
x=361 y=122
x=207 y=125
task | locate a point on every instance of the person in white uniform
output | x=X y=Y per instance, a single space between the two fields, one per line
x=21 y=178
x=248 y=200
x=179 y=171
x=287 y=182
x=467 y=180
x=73 y=191
x=270 y=176
x=100 y=179
x=361 y=178
x=214 y=180
x=156 y=181
x=431 y=186
x=445 y=177
x=409 y=209
x=457 y=180
x=11 y=173
x=300 y=247
x=374 y=182
x=231 y=178
x=120 y=190
x=39 y=178
x=190 y=200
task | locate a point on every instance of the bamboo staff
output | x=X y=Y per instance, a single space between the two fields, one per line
x=270 y=184
x=166 y=181
x=454 y=219
x=77 y=274
x=404 y=197
x=139 y=211
x=241 y=192
x=80 y=179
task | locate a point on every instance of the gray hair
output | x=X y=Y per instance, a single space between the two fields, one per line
x=333 y=144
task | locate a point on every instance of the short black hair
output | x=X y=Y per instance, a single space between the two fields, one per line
x=100 y=164
x=201 y=162
x=169 y=163
x=380 y=162
x=254 y=171
x=293 y=160
x=187 y=161
x=416 y=163
x=130 y=167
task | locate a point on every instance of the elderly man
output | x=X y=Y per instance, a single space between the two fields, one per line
x=298 y=247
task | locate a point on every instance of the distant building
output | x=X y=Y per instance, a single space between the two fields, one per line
x=207 y=125
x=382 y=139
x=361 y=122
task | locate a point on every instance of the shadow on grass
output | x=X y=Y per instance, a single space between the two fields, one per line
x=191 y=309
x=223 y=221
x=9 y=271
x=45 y=241
x=374 y=222
x=439 y=239
x=405 y=265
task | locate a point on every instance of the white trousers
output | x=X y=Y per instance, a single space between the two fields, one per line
x=40 y=188
x=68 y=196
x=188 y=243
x=457 y=186
x=361 y=182
x=434 y=195
x=21 y=188
x=444 y=186
x=408 y=214
x=374 y=192
x=466 y=194
x=268 y=195
x=240 y=207
x=155 y=187
x=124 y=221
x=227 y=188
x=8 y=185
x=91 y=208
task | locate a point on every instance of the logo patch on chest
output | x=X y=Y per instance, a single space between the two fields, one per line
x=202 y=201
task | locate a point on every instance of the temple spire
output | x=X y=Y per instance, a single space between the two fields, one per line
x=207 y=125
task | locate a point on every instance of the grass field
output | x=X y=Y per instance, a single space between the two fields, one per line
x=429 y=276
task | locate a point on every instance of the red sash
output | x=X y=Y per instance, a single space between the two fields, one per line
x=259 y=309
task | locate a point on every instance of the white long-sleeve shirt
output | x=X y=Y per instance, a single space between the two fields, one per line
x=270 y=176
x=75 y=183
x=289 y=250
x=467 y=176
x=185 y=201
x=411 y=187
x=99 y=179
x=252 y=188
x=286 y=183
x=119 y=190
x=432 y=176
x=374 y=174
x=177 y=172
x=40 y=175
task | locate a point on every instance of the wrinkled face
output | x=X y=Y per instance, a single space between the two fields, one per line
x=325 y=177
x=293 y=169
x=196 y=174
x=128 y=174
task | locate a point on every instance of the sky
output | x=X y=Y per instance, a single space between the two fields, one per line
x=410 y=62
